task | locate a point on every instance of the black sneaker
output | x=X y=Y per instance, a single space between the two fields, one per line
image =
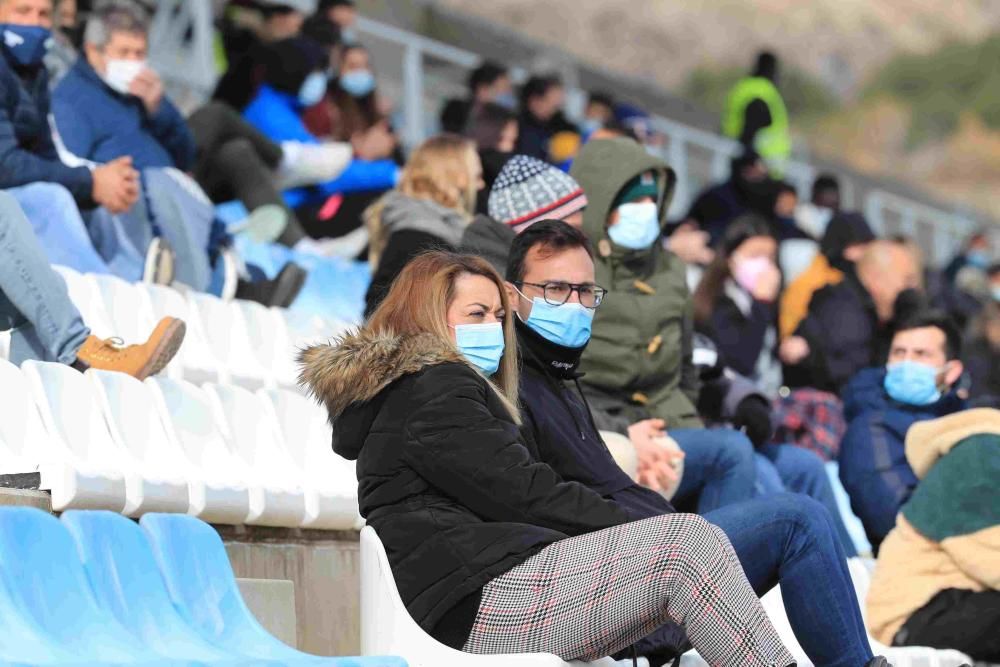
x=280 y=292
x=878 y=661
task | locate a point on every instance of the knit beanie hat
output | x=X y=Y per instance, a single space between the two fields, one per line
x=643 y=185
x=528 y=190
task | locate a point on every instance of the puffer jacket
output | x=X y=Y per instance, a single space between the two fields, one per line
x=638 y=363
x=444 y=476
x=948 y=534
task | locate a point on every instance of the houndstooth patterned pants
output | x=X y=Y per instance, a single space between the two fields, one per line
x=589 y=596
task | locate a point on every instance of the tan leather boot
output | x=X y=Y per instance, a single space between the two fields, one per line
x=139 y=361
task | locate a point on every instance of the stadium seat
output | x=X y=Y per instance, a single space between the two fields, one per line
x=44 y=588
x=226 y=335
x=24 y=444
x=134 y=421
x=71 y=413
x=5 y=344
x=79 y=471
x=87 y=300
x=388 y=628
x=131 y=316
x=255 y=439
x=194 y=361
x=308 y=441
x=269 y=341
x=201 y=584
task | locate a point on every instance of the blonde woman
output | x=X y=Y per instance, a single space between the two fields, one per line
x=429 y=209
x=491 y=550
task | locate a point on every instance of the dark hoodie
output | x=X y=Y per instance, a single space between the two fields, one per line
x=638 y=363
x=445 y=476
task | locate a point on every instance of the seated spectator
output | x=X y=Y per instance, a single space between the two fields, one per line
x=786 y=201
x=748 y=190
x=527 y=190
x=598 y=114
x=542 y=99
x=430 y=209
x=343 y=14
x=937 y=579
x=846 y=238
x=494 y=129
x=553 y=326
x=882 y=404
x=815 y=215
x=487 y=84
x=47 y=326
x=982 y=357
x=845 y=329
x=976 y=255
x=50 y=192
x=480 y=535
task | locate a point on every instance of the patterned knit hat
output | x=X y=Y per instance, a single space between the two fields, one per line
x=528 y=190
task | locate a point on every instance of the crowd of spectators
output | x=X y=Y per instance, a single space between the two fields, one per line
x=552 y=376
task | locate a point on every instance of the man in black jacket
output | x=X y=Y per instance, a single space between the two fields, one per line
x=550 y=272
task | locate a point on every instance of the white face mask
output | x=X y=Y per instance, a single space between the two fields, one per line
x=120 y=73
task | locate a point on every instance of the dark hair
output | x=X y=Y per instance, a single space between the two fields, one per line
x=993 y=270
x=539 y=86
x=823 y=183
x=745 y=159
x=321 y=31
x=741 y=229
x=288 y=62
x=330 y=4
x=602 y=98
x=785 y=186
x=553 y=235
x=937 y=319
x=485 y=75
x=486 y=124
x=766 y=65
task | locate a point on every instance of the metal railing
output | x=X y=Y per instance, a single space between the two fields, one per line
x=939 y=232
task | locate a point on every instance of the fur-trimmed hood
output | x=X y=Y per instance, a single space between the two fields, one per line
x=352 y=370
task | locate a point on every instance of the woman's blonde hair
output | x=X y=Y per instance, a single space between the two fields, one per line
x=418 y=303
x=441 y=169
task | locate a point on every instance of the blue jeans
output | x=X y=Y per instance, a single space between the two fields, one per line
x=719 y=468
x=791 y=540
x=33 y=298
x=790 y=468
x=99 y=245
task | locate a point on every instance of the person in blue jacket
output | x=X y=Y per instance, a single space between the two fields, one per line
x=880 y=404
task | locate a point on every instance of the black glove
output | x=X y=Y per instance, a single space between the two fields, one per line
x=754 y=415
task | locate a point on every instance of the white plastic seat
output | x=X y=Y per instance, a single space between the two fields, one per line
x=388 y=629
x=331 y=479
x=226 y=335
x=81 y=467
x=254 y=438
x=84 y=295
x=24 y=444
x=5 y=344
x=269 y=340
x=194 y=361
x=130 y=314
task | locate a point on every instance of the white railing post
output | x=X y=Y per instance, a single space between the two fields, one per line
x=677 y=159
x=413 y=95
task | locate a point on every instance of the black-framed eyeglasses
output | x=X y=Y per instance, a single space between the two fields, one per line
x=557 y=293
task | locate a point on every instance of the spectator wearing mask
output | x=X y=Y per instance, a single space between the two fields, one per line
x=50 y=192
x=551 y=271
x=815 y=215
x=882 y=404
x=44 y=323
x=937 y=579
x=430 y=209
x=487 y=84
x=748 y=190
x=598 y=114
x=976 y=256
x=542 y=99
x=494 y=129
x=846 y=328
x=354 y=104
x=639 y=375
x=982 y=357
x=756 y=116
x=343 y=14
x=526 y=191
x=844 y=242
x=481 y=536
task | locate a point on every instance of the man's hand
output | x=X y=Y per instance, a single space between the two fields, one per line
x=148 y=87
x=793 y=350
x=662 y=472
x=116 y=185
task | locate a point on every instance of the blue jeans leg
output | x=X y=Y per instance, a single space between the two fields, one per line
x=790 y=540
x=108 y=232
x=58 y=226
x=801 y=471
x=718 y=467
x=33 y=298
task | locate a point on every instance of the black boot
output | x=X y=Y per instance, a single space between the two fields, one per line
x=279 y=292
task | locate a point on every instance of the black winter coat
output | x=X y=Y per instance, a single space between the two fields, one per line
x=444 y=476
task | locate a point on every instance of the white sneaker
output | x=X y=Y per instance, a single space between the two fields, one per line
x=159 y=265
x=347 y=246
x=263 y=225
x=309 y=164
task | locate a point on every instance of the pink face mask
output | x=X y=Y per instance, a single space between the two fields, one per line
x=748 y=271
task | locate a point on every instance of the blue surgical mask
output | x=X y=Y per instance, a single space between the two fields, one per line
x=912 y=383
x=567 y=325
x=26 y=43
x=590 y=125
x=481 y=344
x=358 y=83
x=978 y=258
x=506 y=100
x=638 y=226
x=313 y=89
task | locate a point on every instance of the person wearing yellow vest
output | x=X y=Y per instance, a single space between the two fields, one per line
x=756 y=116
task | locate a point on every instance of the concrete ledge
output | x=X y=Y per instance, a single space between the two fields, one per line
x=26 y=498
x=272 y=602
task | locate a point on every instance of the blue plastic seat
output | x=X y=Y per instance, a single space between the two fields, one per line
x=126 y=582
x=203 y=588
x=44 y=592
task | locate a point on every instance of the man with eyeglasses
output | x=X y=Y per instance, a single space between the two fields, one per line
x=784 y=538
